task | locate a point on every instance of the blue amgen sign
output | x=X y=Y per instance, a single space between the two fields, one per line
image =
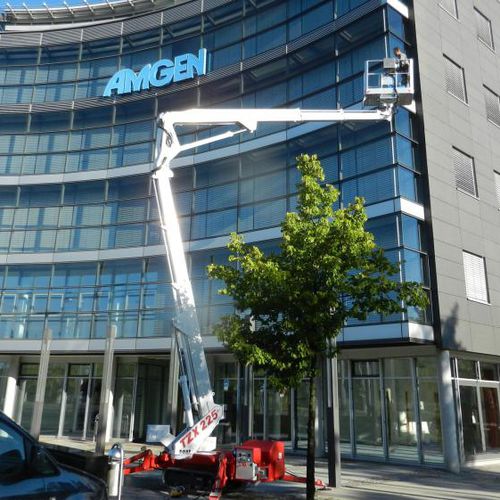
x=159 y=74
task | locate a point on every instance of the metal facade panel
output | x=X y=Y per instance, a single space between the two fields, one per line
x=142 y=23
x=61 y=37
x=105 y=30
x=20 y=39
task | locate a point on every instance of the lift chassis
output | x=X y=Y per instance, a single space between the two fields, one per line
x=190 y=459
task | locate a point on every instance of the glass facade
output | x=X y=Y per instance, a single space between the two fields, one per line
x=389 y=409
x=245 y=192
x=79 y=228
x=477 y=392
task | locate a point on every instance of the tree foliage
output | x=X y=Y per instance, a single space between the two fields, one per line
x=328 y=269
x=296 y=301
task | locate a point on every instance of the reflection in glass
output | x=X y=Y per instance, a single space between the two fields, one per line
x=123 y=407
x=466 y=368
x=52 y=405
x=259 y=390
x=430 y=420
x=488 y=371
x=76 y=399
x=491 y=417
x=470 y=421
x=26 y=390
x=301 y=415
x=345 y=432
x=278 y=415
x=152 y=381
x=93 y=409
x=367 y=416
x=4 y=367
x=401 y=421
x=226 y=393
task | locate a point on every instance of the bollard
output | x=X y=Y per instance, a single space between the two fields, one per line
x=115 y=473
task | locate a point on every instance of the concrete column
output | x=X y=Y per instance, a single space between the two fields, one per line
x=111 y=411
x=11 y=386
x=105 y=398
x=333 y=423
x=448 y=413
x=36 y=419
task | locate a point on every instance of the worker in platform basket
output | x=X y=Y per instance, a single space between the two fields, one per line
x=403 y=65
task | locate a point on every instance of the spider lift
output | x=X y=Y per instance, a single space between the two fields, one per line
x=190 y=460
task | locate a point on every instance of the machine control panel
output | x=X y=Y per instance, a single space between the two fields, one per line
x=246 y=468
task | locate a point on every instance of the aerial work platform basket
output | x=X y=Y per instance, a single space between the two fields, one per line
x=389 y=81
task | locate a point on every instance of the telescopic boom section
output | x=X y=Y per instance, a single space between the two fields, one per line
x=194 y=377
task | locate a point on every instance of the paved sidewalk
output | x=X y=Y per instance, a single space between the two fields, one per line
x=360 y=481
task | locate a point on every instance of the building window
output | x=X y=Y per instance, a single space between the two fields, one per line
x=455 y=81
x=497 y=186
x=475 y=277
x=449 y=6
x=484 y=32
x=465 y=177
x=492 y=106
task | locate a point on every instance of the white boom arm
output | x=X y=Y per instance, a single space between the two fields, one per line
x=247 y=121
x=386 y=92
x=194 y=378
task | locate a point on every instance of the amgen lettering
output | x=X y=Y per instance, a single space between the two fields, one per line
x=159 y=74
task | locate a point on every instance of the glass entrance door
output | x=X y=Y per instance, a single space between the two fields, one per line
x=491 y=417
x=226 y=388
x=480 y=411
x=471 y=426
x=367 y=408
x=83 y=392
x=149 y=405
x=76 y=405
x=271 y=412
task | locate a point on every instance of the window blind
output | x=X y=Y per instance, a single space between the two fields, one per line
x=475 y=277
x=492 y=106
x=464 y=172
x=450 y=6
x=484 y=32
x=455 y=82
x=497 y=186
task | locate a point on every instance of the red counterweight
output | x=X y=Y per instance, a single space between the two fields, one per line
x=268 y=456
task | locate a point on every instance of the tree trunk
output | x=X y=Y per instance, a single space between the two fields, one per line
x=311 y=434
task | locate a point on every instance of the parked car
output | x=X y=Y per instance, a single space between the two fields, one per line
x=28 y=471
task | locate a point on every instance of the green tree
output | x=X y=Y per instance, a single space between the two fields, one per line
x=328 y=269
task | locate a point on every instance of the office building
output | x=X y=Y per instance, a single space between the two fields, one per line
x=80 y=247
